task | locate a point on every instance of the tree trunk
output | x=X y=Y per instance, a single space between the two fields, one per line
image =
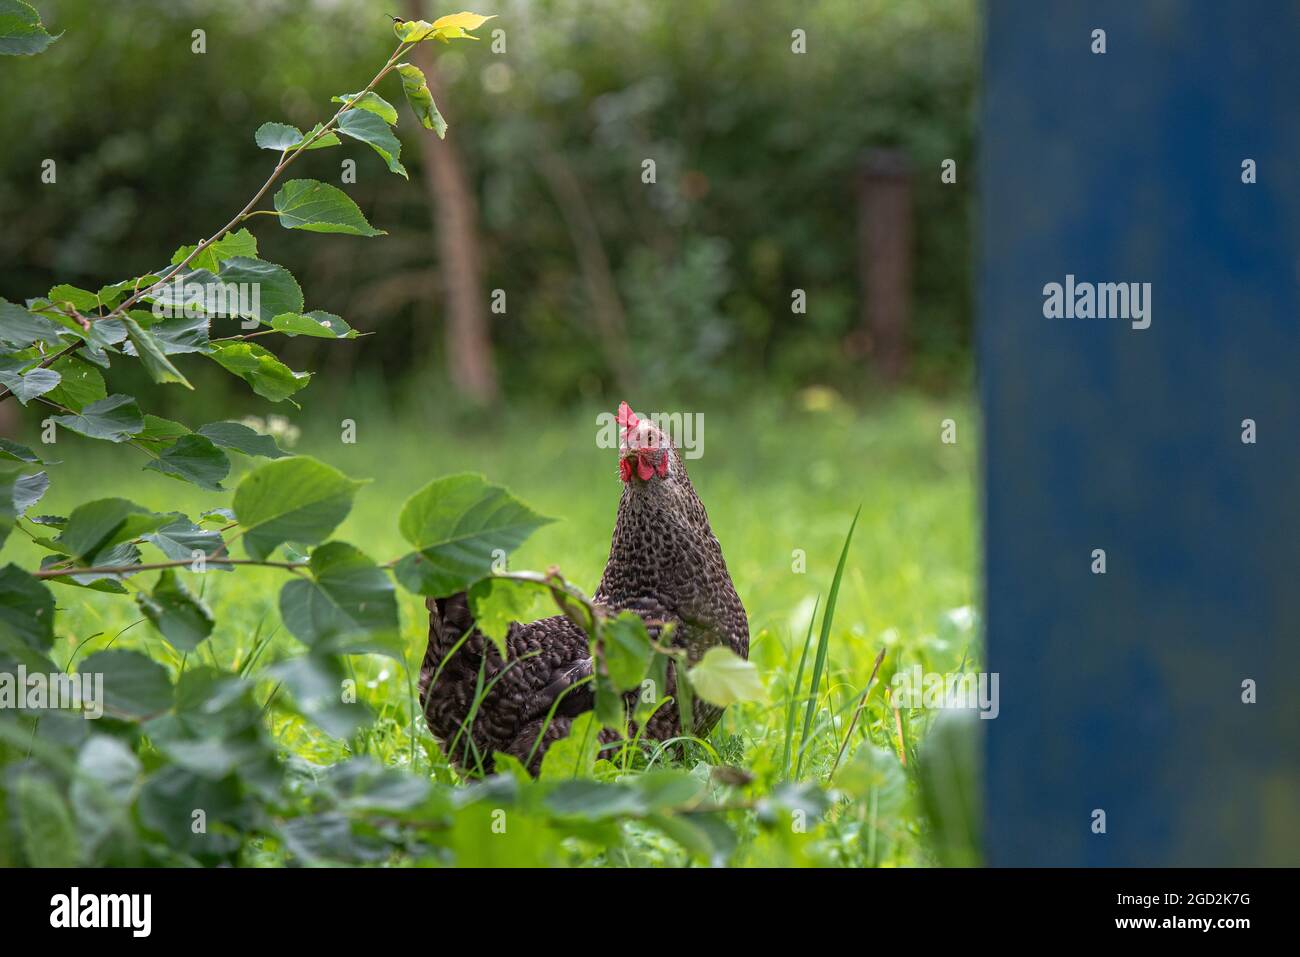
x=455 y=214
x=885 y=258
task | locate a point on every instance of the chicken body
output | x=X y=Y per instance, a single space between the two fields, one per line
x=665 y=564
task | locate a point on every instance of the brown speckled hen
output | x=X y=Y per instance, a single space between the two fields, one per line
x=664 y=564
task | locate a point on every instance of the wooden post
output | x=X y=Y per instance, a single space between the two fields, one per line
x=885 y=257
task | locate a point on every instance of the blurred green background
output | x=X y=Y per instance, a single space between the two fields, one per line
x=673 y=293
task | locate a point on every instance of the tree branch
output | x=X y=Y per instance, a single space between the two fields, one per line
x=156 y=566
x=286 y=158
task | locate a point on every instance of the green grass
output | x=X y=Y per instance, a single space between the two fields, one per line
x=781 y=486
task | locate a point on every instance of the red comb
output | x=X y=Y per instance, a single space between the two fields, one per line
x=626 y=417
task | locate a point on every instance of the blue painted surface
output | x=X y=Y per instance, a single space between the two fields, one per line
x=1123 y=691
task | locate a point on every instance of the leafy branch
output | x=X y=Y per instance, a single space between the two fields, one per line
x=284 y=513
x=287 y=157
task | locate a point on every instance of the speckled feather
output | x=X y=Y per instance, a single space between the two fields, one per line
x=664 y=563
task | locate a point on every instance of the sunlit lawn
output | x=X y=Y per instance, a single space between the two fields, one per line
x=781 y=485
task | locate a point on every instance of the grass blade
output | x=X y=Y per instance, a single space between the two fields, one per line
x=828 y=616
x=794 y=693
x=862 y=700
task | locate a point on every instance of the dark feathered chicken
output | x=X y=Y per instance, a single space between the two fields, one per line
x=664 y=564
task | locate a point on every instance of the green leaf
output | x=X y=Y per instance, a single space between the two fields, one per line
x=103 y=791
x=13 y=452
x=17 y=494
x=316 y=683
x=80 y=385
x=95 y=527
x=657 y=675
x=413 y=31
x=634 y=796
x=329 y=139
x=320 y=208
x=349 y=607
x=169 y=798
x=949 y=775
x=180 y=617
x=593 y=800
x=295 y=499
x=806 y=798
x=20 y=328
x=282 y=137
x=111 y=295
x=241 y=244
x=331 y=837
x=363 y=784
x=722 y=677
x=461 y=21
x=185 y=295
x=233 y=435
x=661 y=790
x=497 y=602
x=217 y=516
x=100 y=334
x=213 y=755
x=153 y=355
x=451 y=27
x=269 y=377
x=371 y=101
x=322 y=325
x=49 y=837
x=194 y=298
x=28 y=490
x=277 y=136
x=706 y=837
x=575 y=755
x=26 y=608
x=181 y=538
x=278 y=291
x=158 y=433
x=421 y=100
x=873 y=773
x=83 y=300
x=123 y=556
x=193 y=458
x=179 y=335
x=27 y=386
x=21 y=32
x=115 y=419
x=134 y=686
x=610 y=706
x=370 y=128
x=456 y=524
x=176 y=335
x=627 y=652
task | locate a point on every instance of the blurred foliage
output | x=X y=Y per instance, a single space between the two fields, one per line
x=757 y=151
